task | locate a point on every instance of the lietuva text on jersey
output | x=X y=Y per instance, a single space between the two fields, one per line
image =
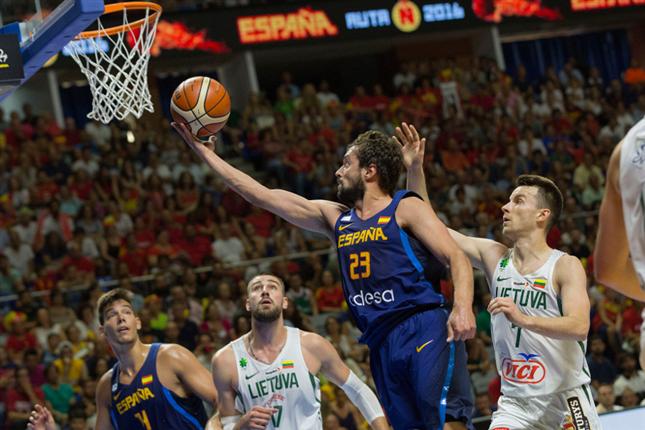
x=385 y=271
x=145 y=404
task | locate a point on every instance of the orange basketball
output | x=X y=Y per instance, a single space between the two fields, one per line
x=203 y=104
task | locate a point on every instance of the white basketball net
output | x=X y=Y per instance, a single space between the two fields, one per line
x=118 y=78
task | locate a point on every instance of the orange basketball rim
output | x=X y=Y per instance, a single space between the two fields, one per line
x=124 y=6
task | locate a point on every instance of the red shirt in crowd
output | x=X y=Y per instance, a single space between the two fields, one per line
x=17 y=343
x=262 y=221
x=330 y=298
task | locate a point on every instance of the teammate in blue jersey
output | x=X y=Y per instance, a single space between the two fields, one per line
x=383 y=243
x=152 y=387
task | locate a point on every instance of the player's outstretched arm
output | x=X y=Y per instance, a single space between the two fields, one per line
x=418 y=217
x=482 y=253
x=224 y=372
x=314 y=215
x=333 y=367
x=570 y=277
x=103 y=403
x=612 y=265
x=195 y=378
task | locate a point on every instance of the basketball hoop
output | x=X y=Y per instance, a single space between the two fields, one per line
x=118 y=72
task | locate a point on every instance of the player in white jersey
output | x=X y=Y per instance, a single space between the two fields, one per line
x=267 y=378
x=540 y=307
x=619 y=255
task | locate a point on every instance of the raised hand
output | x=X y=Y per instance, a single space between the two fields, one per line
x=412 y=146
x=41 y=419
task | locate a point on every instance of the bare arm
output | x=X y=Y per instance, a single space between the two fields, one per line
x=419 y=217
x=612 y=265
x=314 y=215
x=103 y=403
x=333 y=367
x=195 y=378
x=482 y=253
x=570 y=276
x=222 y=364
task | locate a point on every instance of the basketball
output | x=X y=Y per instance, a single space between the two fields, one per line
x=203 y=104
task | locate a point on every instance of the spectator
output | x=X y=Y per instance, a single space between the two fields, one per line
x=630 y=376
x=20 y=255
x=19 y=339
x=10 y=279
x=226 y=247
x=59 y=395
x=87 y=406
x=20 y=398
x=26 y=227
x=347 y=414
x=301 y=296
x=71 y=370
x=78 y=420
x=329 y=296
x=607 y=399
x=188 y=330
x=226 y=305
x=629 y=398
x=218 y=327
x=601 y=368
x=35 y=368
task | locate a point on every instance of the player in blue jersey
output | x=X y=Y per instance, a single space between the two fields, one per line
x=384 y=241
x=152 y=387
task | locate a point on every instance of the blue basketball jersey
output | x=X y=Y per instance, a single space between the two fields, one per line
x=147 y=405
x=385 y=271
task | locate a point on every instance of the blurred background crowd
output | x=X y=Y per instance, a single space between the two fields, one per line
x=84 y=210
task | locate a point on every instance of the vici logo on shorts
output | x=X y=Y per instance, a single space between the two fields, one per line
x=526 y=370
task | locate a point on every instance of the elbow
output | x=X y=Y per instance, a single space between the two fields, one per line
x=600 y=269
x=582 y=331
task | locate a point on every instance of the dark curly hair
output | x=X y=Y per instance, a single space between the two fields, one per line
x=374 y=147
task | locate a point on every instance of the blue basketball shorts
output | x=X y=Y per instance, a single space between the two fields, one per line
x=421 y=379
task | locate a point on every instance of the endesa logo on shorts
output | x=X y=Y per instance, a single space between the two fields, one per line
x=375 y=298
x=527 y=370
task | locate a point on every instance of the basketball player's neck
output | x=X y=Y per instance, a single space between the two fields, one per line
x=267 y=335
x=131 y=356
x=266 y=340
x=530 y=248
x=374 y=200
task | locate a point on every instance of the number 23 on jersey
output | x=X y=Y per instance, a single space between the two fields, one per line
x=360 y=265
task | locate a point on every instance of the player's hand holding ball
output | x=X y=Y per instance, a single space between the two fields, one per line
x=200 y=107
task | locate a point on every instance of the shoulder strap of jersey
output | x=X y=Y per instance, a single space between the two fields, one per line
x=114 y=381
x=152 y=355
x=402 y=194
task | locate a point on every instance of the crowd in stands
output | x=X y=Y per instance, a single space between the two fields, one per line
x=83 y=209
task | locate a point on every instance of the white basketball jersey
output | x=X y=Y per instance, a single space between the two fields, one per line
x=632 y=190
x=531 y=364
x=285 y=385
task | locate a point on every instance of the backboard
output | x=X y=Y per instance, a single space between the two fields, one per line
x=41 y=28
